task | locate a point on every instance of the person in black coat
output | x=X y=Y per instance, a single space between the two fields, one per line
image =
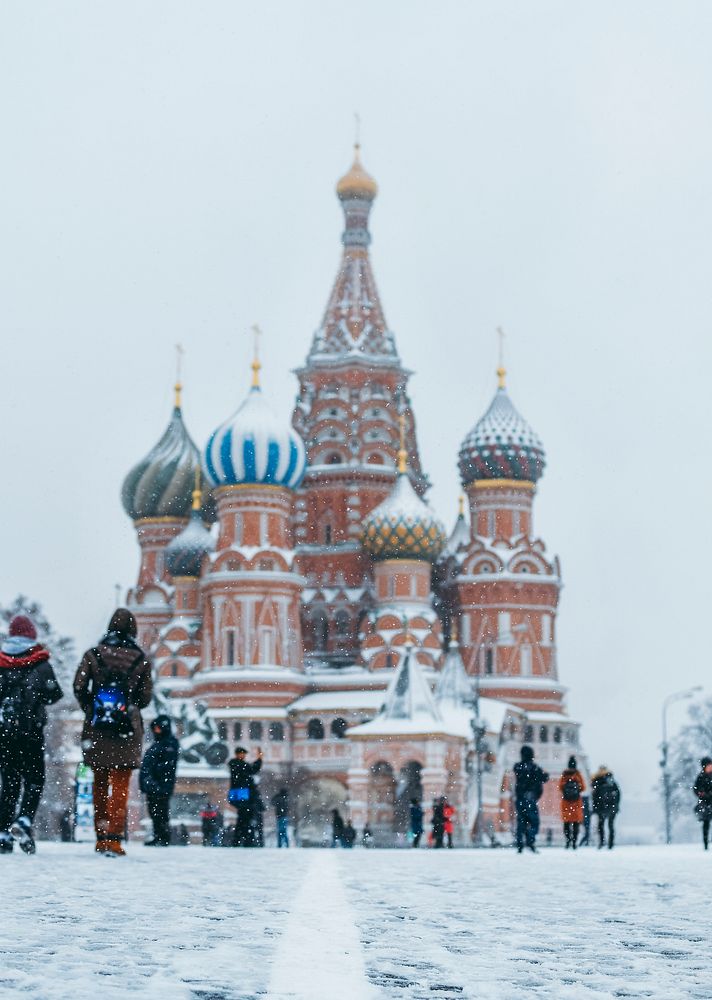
x=337 y=829
x=529 y=781
x=242 y=795
x=605 y=802
x=438 y=822
x=280 y=802
x=703 y=790
x=27 y=686
x=416 y=821
x=157 y=779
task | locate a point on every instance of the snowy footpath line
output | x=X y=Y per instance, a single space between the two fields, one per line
x=319 y=956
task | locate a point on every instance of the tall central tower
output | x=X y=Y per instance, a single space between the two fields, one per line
x=351 y=391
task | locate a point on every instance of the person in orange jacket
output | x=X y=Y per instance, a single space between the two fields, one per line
x=571 y=788
x=448 y=815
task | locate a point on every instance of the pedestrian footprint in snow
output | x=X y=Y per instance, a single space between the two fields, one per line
x=529 y=781
x=112 y=685
x=27 y=686
x=606 y=796
x=571 y=787
x=703 y=791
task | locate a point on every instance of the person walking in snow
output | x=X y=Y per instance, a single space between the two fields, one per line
x=448 y=818
x=280 y=804
x=27 y=686
x=416 y=821
x=586 y=839
x=349 y=835
x=571 y=788
x=606 y=797
x=242 y=794
x=438 y=822
x=529 y=781
x=703 y=790
x=157 y=779
x=337 y=829
x=112 y=684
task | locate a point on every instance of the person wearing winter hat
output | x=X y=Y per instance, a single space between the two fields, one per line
x=571 y=788
x=157 y=779
x=529 y=781
x=27 y=686
x=112 y=684
x=606 y=796
x=703 y=790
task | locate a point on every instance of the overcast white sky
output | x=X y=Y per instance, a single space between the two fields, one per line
x=167 y=175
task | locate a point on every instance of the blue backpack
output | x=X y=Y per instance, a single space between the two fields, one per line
x=110 y=709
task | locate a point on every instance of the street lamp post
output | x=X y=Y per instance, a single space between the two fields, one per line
x=671 y=698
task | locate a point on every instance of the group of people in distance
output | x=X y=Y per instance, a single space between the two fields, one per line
x=113 y=683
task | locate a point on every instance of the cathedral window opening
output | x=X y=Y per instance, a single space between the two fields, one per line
x=557 y=734
x=230 y=646
x=255 y=730
x=174 y=669
x=343 y=623
x=222 y=731
x=315 y=729
x=529 y=734
x=266 y=565
x=543 y=734
x=338 y=728
x=327 y=534
x=237 y=731
x=333 y=459
x=321 y=632
x=276 y=732
x=489 y=660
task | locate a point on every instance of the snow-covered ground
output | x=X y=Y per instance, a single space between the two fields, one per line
x=209 y=924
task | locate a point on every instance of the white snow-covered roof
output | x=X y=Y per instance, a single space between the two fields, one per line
x=547 y=717
x=454 y=686
x=248 y=713
x=326 y=701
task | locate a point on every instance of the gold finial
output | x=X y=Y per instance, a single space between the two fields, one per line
x=197 y=492
x=501 y=371
x=453 y=631
x=402 y=453
x=357 y=132
x=179 y=364
x=461 y=505
x=256 y=333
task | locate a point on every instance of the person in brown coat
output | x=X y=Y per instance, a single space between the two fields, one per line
x=571 y=787
x=113 y=683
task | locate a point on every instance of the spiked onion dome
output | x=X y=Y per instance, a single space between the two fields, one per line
x=185 y=553
x=161 y=484
x=255 y=446
x=403 y=526
x=501 y=445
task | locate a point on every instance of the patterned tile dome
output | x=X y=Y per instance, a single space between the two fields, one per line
x=161 y=485
x=254 y=446
x=501 y=445
x=403 y=526
x=185 y=553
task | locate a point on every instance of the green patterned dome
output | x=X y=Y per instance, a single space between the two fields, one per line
x=403 y=527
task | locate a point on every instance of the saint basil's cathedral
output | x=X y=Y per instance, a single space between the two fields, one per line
x=297 y=593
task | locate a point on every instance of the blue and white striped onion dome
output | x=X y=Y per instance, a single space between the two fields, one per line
x=501 y=445
x=403 y=526
x=255 y=446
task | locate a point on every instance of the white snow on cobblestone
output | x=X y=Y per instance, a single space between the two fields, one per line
x=209 y=924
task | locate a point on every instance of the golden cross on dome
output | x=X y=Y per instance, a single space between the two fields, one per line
x=179 y=365
x=402 y=452
x=357 y=131
x=501 y=371
x=256 y=334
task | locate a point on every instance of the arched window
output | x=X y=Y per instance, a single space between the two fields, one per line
x=276 y=732
x=543 y=734
x=222 y=730
x=237 y=731
x=528 y=734
x=315 y=729
x=174 y=669
x=333 y=459
x=327 y=534
x=321 y=632
x=557 y=734
x=343 y=623
x=338 y=728
x=255 y=730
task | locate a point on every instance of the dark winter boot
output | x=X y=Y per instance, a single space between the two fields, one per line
x=21 y=830
x=6 y=843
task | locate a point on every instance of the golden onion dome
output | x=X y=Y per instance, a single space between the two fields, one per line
x=403 y=526
x=357 y=183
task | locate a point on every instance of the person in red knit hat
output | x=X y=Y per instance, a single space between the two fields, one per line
x=27 y=686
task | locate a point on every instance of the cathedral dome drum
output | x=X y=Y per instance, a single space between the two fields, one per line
x=185 y=553
x=161 y=485
x=501 y=445
x=403 y=526
x=255 y=447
